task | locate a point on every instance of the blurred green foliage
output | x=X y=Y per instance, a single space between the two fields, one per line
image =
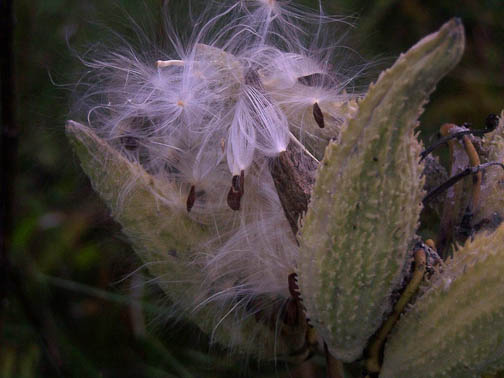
x=73 y=258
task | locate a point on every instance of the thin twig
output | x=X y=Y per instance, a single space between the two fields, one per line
x=491 y=123
x=454 y=179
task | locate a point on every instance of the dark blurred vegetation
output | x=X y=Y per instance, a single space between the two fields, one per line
x=72 y=258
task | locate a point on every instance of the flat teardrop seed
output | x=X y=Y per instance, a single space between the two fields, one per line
x=317 y=114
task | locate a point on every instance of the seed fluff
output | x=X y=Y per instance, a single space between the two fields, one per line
x=206 y=116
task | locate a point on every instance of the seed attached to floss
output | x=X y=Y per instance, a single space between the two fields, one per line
x=215 y=115
x=169 y=63
x=317 y=114
x=191 y=198
x=236 y=191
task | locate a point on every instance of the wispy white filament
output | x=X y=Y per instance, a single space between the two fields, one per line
x=220 y=105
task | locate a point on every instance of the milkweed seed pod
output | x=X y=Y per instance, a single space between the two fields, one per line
x=179 y=145
x=164 y=237
x=366 y=201
x=456 y=328
x=190 y=151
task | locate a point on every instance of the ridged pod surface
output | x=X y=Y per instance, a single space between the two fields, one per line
x=136 y=200
x=165 y=238
x=456 y=328
x=366 y=202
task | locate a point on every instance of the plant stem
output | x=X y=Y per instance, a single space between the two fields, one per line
x=373 y=362
x=334 y=367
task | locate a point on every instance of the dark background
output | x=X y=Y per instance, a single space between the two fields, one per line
x=79 y=313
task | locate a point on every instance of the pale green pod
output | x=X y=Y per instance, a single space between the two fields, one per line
x=456 y=328
x=144 y=206
x=491 y=209
x=156 y=222
x=366 y=202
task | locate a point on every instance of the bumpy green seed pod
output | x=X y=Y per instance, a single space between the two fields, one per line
x=456 y=328
x=165 y=238
x=367 y=199
x=137 y=201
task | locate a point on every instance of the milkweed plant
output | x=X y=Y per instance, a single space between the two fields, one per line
x=280 y=207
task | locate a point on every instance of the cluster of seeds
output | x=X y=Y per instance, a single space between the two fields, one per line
x=211 y=116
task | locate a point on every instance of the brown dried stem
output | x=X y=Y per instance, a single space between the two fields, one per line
x=373 y=364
